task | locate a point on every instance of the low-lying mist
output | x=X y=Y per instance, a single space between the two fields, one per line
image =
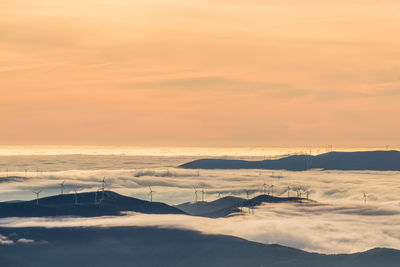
x=339 y=222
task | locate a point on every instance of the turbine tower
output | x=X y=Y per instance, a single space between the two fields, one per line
x=307 y=193
x=103 y=185
x=265 y=188
x=151 y=194
x=37 y=196
x=62 y=187
x=195 y=194
x=202 y=194
x=365 y=196
x=272 y=190
x=247 y=193
x=219 y=194
x=288 y=191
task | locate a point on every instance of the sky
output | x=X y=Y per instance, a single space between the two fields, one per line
x=199 y=73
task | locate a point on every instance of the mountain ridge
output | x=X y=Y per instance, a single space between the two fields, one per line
x=361 y=160
x=64 y=205
x=153 y=246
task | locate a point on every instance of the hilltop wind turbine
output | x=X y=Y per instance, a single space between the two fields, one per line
x=195 y=194
x=365 y=196
x=103 y=185
x=37 y=196
x=62 y=187
x=307 y=193
x=288 y=191
x=272 y=190
x=151 y=194
x=219 y=194
x=247 y=193
x=265 y=188
x=202 y=194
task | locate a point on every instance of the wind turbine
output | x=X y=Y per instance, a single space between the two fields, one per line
x=265 y=188
x=151 y=194
x=202 y=194
x=103 y=185
x=62 y=187
x=37 y=196
x=288 y=191
x=195 y=194
x=272 y=190
x=307 y=193
x=219 y=194
x=247 y=193
x=365 y=196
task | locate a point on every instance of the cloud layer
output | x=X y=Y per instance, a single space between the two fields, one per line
x=338 y=222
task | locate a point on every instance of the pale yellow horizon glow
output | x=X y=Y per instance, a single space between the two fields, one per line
x=200 y=73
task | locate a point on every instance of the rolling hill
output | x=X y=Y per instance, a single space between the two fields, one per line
x=151 y=246
x=227 y=205
x=64 y=205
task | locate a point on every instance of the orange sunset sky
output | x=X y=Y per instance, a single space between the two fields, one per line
x=207 y=73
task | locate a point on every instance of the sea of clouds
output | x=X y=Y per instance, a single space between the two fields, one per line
x=339 y=222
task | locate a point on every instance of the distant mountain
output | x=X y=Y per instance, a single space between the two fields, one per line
x=227 y=205
x=64 y=205
x=6 y=179
x=366 y=160
x=154 y=247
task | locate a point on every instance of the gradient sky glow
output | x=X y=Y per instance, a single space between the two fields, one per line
x=194 y=73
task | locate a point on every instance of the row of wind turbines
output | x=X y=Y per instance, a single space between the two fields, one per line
x=62 y=188
x=267 y=190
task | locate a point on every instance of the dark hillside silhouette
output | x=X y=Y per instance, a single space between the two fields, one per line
x=368 y=160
